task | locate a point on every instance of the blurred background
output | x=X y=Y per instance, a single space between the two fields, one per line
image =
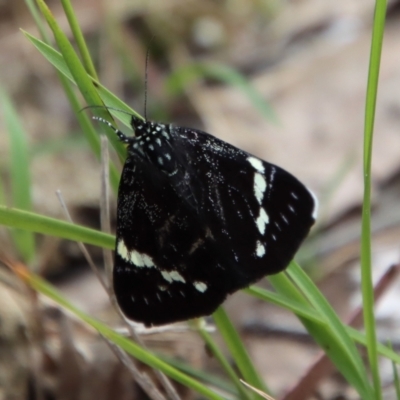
x=285 y=81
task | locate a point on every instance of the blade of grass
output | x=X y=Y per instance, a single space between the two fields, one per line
x=282 y=301
x=382 y=350
x=214 y=349
x=320 y=303
x=38 y=19
x=366 y=269
x=80 y=40
x=84 y=83
x=87 y=126
x=396 y=381
x=130 y=347
x=57 y=60
x=330 y=338
x=20 y=177
x=49 y=226
x=208 y=378
x=237 y=349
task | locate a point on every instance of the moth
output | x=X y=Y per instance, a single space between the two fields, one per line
x=198 y=219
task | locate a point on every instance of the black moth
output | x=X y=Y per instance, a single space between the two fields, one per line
x=198 y=219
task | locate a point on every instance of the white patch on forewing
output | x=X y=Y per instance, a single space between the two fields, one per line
x=200 y=286
x=260 y=249
x=262 y=221
x=122 y=250
x=173 y=275
x=134 y=257
x=260 y=184
x=256 y=163
x=316 y=204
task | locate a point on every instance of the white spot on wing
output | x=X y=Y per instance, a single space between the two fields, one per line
x=256 y=163
x=260 y=249
x=173 y=275
x=316 y=204
x=122 y=250
x=262 y=221
x=260 y=185
x=134 y=257
x=200 y=286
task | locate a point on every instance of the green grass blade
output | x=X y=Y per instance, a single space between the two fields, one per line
x=330 y=338
x=57 y=60
x=320 y=303
x=382 y=350
x=217 y=353
x=130 y=347
x=80 y=40
x=20 y=176
x=278 y=299
x=84 y=83
x=237 y=349
x=37 y=18
x=396 y=380
x=366 y=268
x=32 y=222
x=181 y=77
x=208 y=378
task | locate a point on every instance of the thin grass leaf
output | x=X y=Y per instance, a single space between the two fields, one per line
x=279 y=300
x=366 y=267
x=396 y=380
x=208 y=378
x=181 y=77
x=56 y=59
x=217 y=353
x=20 y=176
x=32 y=222
x=31 y=4
x=80 y=40
x=130 y=347
x=112 y=101
x=325 y=334
x=320 y=303
x=237 y=349
x=382 y=350
x=84 y=83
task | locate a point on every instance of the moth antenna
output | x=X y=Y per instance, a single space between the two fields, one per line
x=145 y=82
x=122 y=137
